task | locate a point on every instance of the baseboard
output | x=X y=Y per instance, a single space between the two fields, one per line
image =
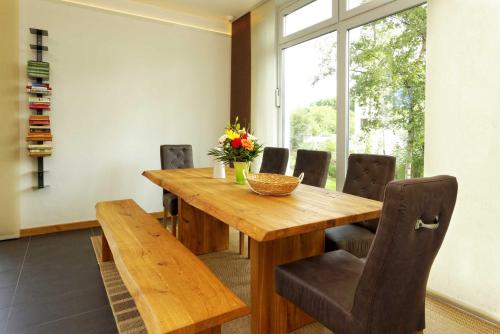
x=9 y=236
x=28 y=232
x=472 y=311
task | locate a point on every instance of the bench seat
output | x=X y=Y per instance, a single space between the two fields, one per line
x=174 y=290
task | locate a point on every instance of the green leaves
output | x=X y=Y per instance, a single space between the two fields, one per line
x=319 y=119
x=388 y=75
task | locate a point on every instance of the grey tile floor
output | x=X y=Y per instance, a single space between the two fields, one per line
x=52 y=284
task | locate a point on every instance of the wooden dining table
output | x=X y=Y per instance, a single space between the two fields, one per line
x=281 y=230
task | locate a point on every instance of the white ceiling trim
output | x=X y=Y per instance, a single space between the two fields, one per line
x=126 y=7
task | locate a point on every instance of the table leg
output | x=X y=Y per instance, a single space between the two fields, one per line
x=270 y=312
x=200 y=232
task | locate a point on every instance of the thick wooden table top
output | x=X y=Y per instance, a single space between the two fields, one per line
x=174 y=290
x=264 y=218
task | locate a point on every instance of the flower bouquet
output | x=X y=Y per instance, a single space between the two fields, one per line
x=237 y=146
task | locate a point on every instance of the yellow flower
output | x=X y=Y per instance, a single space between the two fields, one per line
x=248 y=144
x=232 y=134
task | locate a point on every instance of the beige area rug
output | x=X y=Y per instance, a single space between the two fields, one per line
x=234 y=271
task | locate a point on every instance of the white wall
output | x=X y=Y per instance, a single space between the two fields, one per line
x=122 y=87
x=462 y=139
x=9 y=132
x=163 y=11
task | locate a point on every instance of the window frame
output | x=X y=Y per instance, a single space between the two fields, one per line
x=342 y=21
x=293 y=6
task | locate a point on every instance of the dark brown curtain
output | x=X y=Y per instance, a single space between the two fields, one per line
x=241 y=70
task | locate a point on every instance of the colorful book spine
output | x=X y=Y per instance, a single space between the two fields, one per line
x=33 y=99
x=39 y=106
x=39 y=88
x=38 y=69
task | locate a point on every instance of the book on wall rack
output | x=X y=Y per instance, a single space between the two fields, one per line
x=44 y=106
x=36 y=102
x=35 y=99
x=40 y=150
x=39 y=88
x=39 y=120
x=41 y=128
x=38 y=69
x=39 y=136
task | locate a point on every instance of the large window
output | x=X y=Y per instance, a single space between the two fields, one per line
x=354 y=83
x=387 y=87
x=310 y=117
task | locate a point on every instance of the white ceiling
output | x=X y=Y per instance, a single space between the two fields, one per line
x=221 y=9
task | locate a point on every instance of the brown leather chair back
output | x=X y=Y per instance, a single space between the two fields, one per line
x=176 y=157
x=274 y=160
x=367 y=176
x=416 y=213
x=314 y=165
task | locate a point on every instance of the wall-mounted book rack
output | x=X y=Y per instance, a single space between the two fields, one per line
x=39 y=135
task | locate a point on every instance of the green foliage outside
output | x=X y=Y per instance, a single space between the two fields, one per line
x=315 y=128
x=387 y=68
x=388 y=72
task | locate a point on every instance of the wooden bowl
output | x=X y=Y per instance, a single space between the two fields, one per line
x=273 y=184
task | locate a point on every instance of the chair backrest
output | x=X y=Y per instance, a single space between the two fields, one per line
x=390 y=297
x=176 y=156
x=367 y=176
x=274 y=160
x=314 y=165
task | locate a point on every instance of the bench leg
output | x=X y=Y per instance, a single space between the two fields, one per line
x=213 y=330
x=106 y=254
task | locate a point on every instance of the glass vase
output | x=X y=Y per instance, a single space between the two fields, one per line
x=239 y=167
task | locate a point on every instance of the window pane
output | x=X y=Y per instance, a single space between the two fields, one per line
x=310 y=118
x=310 y=14
x=387 y=89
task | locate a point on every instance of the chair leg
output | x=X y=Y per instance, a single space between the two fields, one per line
x=242 y=242
x=248 y=240
x=174 y=225
x=165 y=216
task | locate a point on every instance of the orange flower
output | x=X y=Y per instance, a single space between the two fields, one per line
x=248 y=144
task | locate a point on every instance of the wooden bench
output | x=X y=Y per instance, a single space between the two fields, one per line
x=174 y=290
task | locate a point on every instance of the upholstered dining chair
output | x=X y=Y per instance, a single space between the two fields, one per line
x=174 y=157
x=275 y=161
x=385 y=293
x=367 y=176
x=314 y=165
